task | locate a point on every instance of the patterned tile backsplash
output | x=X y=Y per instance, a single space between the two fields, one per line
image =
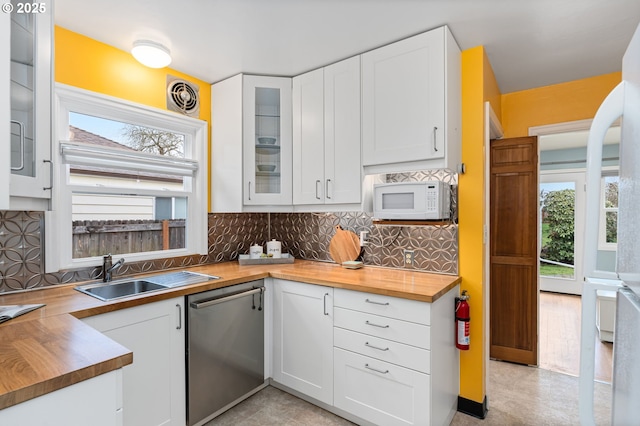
x=304 y=235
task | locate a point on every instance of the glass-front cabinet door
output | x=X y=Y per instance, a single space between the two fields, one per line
x=267 y=140
x=30 y=99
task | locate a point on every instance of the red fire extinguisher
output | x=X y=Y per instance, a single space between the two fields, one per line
x=462 y=321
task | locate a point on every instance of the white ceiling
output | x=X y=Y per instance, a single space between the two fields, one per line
x=530 y=43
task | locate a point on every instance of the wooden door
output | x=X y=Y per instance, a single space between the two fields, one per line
x=514 y=250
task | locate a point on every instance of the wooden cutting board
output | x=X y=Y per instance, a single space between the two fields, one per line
x=344 y=246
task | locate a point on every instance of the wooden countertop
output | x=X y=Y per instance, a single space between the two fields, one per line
x=43 y=355
x=50 y=348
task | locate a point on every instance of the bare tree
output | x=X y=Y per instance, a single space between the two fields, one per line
x=155 y=141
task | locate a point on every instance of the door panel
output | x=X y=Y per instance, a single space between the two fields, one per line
x=514 y=250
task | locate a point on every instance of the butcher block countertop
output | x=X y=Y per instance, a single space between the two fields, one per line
x=50 y=348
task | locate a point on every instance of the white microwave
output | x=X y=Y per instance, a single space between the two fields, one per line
x=427 y=200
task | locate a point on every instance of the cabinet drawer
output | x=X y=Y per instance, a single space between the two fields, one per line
x=387 y=328
x=382 y=349
x=392 y=307
x=382 y=393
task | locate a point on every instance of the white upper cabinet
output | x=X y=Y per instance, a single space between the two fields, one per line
x=327 y=166
x=267 y=140
x=411 y=104
x=250 y=143
x=27 y=57
x=308 y=138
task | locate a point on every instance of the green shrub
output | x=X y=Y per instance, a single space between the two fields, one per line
x=558 y=213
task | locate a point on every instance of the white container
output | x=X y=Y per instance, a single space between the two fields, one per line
x=255 y=251
x=274 y=248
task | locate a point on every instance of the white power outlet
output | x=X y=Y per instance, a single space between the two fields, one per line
x=408 y=257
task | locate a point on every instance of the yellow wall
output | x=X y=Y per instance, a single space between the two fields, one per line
x=558 y=103
x=478 y=86
x=86 y=63
x=570 y=101
x=89 y=64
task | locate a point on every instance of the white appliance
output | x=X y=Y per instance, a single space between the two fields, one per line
x=623 y=101
x=426 y=200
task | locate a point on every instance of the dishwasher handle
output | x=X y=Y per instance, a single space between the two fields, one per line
x=221 y=299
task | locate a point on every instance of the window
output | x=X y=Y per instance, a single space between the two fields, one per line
x=128 y=182
x=608 y=228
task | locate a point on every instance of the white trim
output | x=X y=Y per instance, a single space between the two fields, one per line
x=58 y=254
x=492 y=130
x=495 y=127
x=567 y=285
x=552 y=129
x=603 y=245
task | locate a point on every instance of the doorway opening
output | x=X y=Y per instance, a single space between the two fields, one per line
x=561 y=241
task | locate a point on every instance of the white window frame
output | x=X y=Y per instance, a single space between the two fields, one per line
x=602 y=220
x=58 y=225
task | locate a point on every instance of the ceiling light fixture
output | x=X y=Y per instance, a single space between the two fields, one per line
x=151 y=54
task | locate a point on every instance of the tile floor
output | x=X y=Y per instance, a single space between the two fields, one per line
x=271 y=407
x=518 y=395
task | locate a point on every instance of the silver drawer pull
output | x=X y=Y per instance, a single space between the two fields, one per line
x=375 y=369
x=376 y=303
x=376 y=325
x=375 y=347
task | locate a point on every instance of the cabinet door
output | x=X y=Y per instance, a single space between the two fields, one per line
x=96 y=402
x=403 y=100
x=303 y=338
x=308 y=138
x=226 y=146
x=5 y=105
x=154 y=385
x=267 y=140
x=30 y=133
x=380 y=392
x=342 y=157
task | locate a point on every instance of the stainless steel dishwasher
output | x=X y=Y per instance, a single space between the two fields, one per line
x=225 y=349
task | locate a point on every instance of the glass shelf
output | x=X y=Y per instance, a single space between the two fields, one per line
x=267 y=149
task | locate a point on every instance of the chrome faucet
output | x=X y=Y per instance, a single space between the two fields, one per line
x=108 y=267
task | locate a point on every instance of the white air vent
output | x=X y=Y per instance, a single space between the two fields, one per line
x=182 y=97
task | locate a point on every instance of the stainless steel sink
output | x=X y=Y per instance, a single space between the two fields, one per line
x=115 y=290
x=125 y=288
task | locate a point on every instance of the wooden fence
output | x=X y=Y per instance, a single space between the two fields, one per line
x=99 y=237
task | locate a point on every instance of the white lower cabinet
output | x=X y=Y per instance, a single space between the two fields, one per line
x=303 y=338
x=395 y=361
x=154 y=385
x=380 y=392
x=96 y=401
x=374 y=359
